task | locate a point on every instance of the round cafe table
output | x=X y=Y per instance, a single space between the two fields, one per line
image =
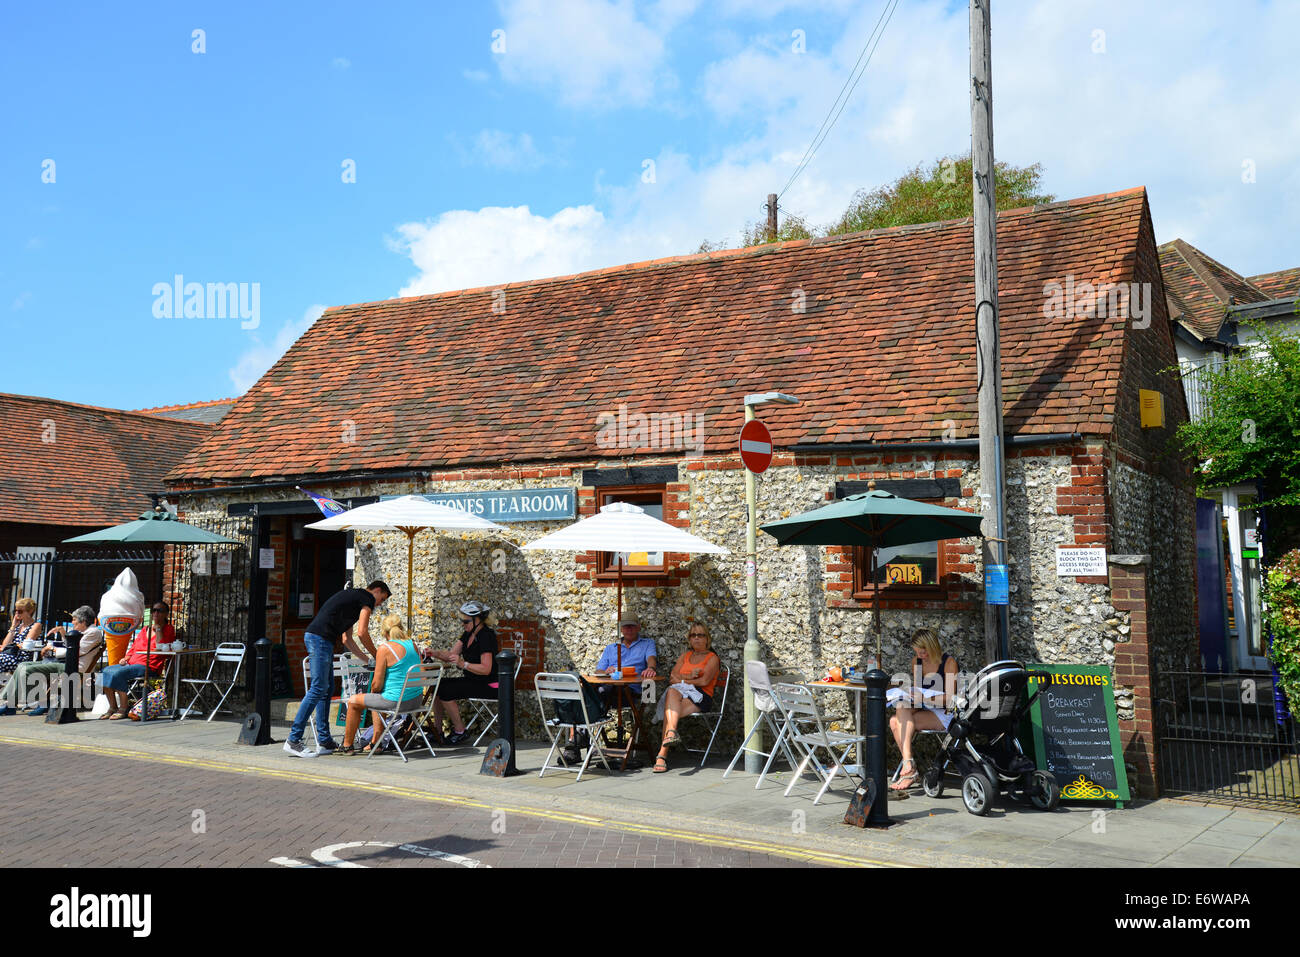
x=623 y=697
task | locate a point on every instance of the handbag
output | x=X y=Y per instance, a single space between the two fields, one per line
x=155 y=704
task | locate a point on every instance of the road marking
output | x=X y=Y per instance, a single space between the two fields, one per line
x=565 y=817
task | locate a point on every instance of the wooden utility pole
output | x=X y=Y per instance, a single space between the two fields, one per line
x=989 y=355
x=771 y=217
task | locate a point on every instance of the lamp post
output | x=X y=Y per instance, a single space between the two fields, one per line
x=753 y=762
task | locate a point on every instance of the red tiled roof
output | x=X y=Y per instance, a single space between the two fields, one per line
x=210 y=412
x=1282 y=284
x=127 y=454
x=885 y=351
x=1200 y=289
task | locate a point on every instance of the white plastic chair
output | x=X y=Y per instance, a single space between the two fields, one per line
x=345 y=666
x=227 y=653
x=556 y=686
x=487 y=707
x=418 y=707
x=800 y=707
x=770 y=716
x=713 y=717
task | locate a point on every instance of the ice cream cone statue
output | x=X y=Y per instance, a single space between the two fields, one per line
x=120 y=611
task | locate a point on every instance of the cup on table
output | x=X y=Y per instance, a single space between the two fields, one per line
x=629 y=671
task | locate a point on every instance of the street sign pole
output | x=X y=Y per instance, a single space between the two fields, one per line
x=753 y=760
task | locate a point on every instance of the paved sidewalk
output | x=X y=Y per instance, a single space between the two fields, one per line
x=700 y=803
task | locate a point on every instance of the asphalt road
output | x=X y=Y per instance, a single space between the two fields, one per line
x=73 y=809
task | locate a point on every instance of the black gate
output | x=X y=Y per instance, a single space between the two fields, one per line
x=1220 y=740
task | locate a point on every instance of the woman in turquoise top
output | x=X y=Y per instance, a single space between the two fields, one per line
x=395 y=656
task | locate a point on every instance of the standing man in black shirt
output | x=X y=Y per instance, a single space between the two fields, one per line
x=334 y=622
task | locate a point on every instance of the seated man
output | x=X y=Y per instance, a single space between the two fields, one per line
x=89 y=639
x=633 y=652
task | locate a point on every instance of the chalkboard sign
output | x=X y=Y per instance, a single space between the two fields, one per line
x=281 y=683
x=1076 y=732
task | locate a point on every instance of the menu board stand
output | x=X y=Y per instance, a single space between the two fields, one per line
x=1076 y=732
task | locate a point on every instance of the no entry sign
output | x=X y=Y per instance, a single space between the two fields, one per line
x=756 y=447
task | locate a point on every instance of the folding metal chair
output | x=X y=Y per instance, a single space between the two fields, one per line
x=418 y=707
x=487 y=707
x=713 y=717
x=228 y=653
x=770 y=716
x=555 y=686
x=345 y=666
x=800 y=706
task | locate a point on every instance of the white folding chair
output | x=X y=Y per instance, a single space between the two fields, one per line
x=228 y=653
x=345 y=666
x=800 y=706
x=556 y=686
x=418 y=706
x=713 y=717
x=770 y=716
x=487 y=707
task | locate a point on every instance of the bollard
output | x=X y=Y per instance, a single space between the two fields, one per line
x=69 y=693
x=504 y=745
x=877 y=682
x=261 y=734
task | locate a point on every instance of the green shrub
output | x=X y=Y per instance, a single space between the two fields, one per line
x=1282 y=618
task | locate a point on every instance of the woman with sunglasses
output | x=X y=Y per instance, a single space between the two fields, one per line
x=475 y=654
x=698 y=668
x=25 y=628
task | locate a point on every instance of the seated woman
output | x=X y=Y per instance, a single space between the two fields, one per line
x=395 y=656
x=938 y=673
x=139 y=662
x=475 y=654
x=89 y=638
x=25 y=628
x=695 y=674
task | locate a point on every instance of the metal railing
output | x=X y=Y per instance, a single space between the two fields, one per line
x=1196 y=387
x=1220 y=739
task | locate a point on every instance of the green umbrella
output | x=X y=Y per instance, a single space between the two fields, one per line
x=159 y=527
x=875 y=519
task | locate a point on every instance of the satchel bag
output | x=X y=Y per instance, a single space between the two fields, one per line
x=155 y=703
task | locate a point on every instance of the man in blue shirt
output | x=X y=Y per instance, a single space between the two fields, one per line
x=633 y=652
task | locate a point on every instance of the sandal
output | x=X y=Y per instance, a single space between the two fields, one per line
x=661 y=765
x=906 y=779
x=671 y=738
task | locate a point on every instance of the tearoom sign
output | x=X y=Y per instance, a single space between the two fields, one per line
x=509 y=505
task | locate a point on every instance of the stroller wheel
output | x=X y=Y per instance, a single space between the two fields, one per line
x=978 y=793
x=1043 y=791
x=932 y=782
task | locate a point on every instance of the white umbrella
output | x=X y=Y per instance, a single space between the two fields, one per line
x=623 y=527
x=410 y=514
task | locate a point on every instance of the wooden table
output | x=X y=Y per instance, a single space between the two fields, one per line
x=622 y=695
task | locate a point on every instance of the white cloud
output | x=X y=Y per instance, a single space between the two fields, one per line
x=463 y=249
x=593 y=53
x=499 y=150
x=1138 y=114
x=259 y=357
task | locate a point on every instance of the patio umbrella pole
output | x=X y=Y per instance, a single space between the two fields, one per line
x=410 y=573
x=618 y=624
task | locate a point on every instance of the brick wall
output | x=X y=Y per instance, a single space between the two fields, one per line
x=1133 y=671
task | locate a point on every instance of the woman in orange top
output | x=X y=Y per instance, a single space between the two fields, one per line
x=698 y=668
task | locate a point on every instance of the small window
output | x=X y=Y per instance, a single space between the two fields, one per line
x=651 y=499
x=905 y=570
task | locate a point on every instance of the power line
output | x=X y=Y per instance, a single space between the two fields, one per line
x=842 y=99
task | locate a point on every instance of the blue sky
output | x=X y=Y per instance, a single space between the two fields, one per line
x=593 y=133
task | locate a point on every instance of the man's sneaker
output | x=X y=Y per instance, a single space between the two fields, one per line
x=456 y=737
x=37 y=711
x=298 y=749
x=327 y=747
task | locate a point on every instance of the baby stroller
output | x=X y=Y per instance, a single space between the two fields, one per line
x=990 y=711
